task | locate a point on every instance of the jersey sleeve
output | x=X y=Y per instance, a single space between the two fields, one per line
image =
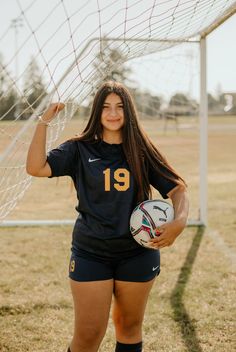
x=160 y=182
x=63 y=160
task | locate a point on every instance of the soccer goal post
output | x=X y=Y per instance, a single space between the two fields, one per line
x=203 y=122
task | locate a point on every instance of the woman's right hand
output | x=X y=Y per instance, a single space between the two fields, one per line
x=52 y=111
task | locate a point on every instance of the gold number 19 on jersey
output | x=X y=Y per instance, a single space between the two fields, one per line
x=122 y=176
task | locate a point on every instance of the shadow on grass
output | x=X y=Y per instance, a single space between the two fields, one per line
x=180 y=313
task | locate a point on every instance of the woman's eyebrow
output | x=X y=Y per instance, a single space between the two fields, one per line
x=120 y=103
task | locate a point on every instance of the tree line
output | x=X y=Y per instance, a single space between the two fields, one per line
x=110 y=65
x=15 y=103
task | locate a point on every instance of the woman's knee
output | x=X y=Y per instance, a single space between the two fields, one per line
x=128 y=326
x=88 y=333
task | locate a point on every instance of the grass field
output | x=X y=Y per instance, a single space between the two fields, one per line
x=192 y=304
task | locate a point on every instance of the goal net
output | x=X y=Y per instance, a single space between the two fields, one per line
x=62 y=50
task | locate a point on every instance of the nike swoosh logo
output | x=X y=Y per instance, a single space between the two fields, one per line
x=153 y=269
x=92 y=160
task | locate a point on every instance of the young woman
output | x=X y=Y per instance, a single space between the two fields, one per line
x=113 y=165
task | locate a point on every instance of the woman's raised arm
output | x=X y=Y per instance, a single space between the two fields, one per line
x=36 y=164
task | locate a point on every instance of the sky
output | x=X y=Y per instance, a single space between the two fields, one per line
x=167 y=72
x=221 y=54
x=221 y=65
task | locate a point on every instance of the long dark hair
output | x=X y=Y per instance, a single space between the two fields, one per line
x=138 y=148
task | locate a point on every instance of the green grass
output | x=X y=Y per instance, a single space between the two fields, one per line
x=192 y=305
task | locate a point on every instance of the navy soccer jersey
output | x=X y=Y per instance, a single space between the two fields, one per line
x=107 y=194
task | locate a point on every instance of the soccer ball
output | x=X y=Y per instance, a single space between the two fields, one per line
x=146 y=217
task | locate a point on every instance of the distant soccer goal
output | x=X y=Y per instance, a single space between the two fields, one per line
x=64 y=50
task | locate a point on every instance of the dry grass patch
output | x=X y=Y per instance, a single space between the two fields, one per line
x=190 y=308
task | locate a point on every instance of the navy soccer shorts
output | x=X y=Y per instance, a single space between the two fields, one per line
x=139 y=268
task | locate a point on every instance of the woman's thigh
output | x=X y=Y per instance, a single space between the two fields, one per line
x=92 y=301
x=130 y=299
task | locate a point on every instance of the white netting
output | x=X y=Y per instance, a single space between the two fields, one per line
x=61 y=50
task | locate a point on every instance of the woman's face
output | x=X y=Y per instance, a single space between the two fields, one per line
x=112 y=118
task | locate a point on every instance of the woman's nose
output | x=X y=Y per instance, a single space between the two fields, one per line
x=113 y=112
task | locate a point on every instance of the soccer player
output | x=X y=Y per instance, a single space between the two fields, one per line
x=113 y=164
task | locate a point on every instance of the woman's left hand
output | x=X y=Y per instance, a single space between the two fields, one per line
x=166 y=234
